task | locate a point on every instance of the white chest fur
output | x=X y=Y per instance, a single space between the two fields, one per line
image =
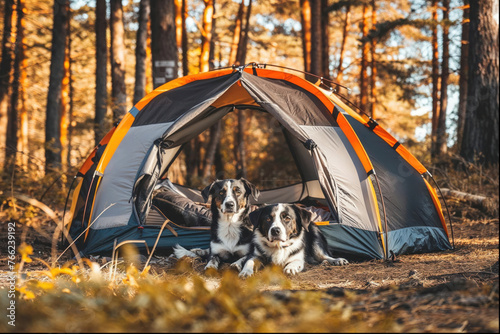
x=228 y=231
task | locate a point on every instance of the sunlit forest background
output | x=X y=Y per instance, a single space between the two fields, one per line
x=71 y=69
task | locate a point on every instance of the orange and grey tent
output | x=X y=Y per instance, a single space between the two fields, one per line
x=373 y=186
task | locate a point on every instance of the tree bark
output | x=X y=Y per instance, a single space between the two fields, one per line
x=185 y=63
x=373 y=76
x=65 y=96
x=163 y=42
x=101 y=91
x=242 y=47
x=215 y=134
x=181 y=33
x=211 y=56
x=5 y=69
x=480 y=142
x=325 y=40
x=240 y=147
x=464 y=69
x=52 y=129
x=118 y=89
x=141 y=51
x=178 y=23
x=435 y=77
x=13 y=109
x=363 y=75
x=345 y=32
x=305 y=17
x=441 y=139
x=316 y=39
x=237 y=34
x=206 y=35
x=23 y=146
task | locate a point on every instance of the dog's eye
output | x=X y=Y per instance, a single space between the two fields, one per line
x=237 y=191
x=268 y=218
x=221 y=192
x=287 y=219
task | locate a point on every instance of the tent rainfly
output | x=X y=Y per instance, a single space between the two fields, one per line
x=373 y=186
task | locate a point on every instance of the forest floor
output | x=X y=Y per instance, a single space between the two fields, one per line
x=451 y=291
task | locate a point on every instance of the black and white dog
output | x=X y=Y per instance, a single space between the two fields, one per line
x=231 y=230
x=284 y=235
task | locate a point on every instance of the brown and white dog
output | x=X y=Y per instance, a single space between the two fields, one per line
x=284 y=235
x=231 y=230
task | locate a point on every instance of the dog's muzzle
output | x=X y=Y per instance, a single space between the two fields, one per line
x=275 y=234
x=229 y=207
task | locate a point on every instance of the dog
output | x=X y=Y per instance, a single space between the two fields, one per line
x=231 y=231
x=284 y=235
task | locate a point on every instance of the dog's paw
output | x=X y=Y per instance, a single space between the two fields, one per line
x=200 y=252
x=246 y=272
x=236 y=265
x=293 y=268
x=212 y=265
x=338 y=261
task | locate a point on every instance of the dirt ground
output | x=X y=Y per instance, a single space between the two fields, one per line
x=451 y=291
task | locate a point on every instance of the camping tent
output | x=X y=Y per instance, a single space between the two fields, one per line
x=373 y=186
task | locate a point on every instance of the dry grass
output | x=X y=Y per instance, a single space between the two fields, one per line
x=452 y=291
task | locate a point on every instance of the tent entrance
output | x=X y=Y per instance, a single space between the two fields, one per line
x=274 y=160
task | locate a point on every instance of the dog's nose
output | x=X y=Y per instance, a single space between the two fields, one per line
x=275 y=231
x=230 y=205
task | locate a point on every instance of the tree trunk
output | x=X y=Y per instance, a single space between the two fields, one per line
x=363 y=75
x=23 y=75
x=211 y=57
x=65 y=96
x=178 y=23
x=52 y=129
x=70 y=110
x=181 y=33
x=206 y=35
x=464 y=69
x=345 y=31
x=101 y=91
x=239 y=146
x=441 y=139
x=435 y=77
x=163 y=43
x=185 y=64
x=373 y=77
x=237 y=34
x=118 y=89
x=215 y=134
x=480 y=139
x=316 y=39
x=5 y=69
x=305 y=17
x=242 y=47
x=141 y=51
x=13 y=112
x=325 y=40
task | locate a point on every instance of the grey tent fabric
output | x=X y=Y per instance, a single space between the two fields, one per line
x=351 y=188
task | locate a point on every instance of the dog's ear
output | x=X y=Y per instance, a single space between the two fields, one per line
x=255 y=217
x=303 y=216
x=208 y=191
x=250 y=188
